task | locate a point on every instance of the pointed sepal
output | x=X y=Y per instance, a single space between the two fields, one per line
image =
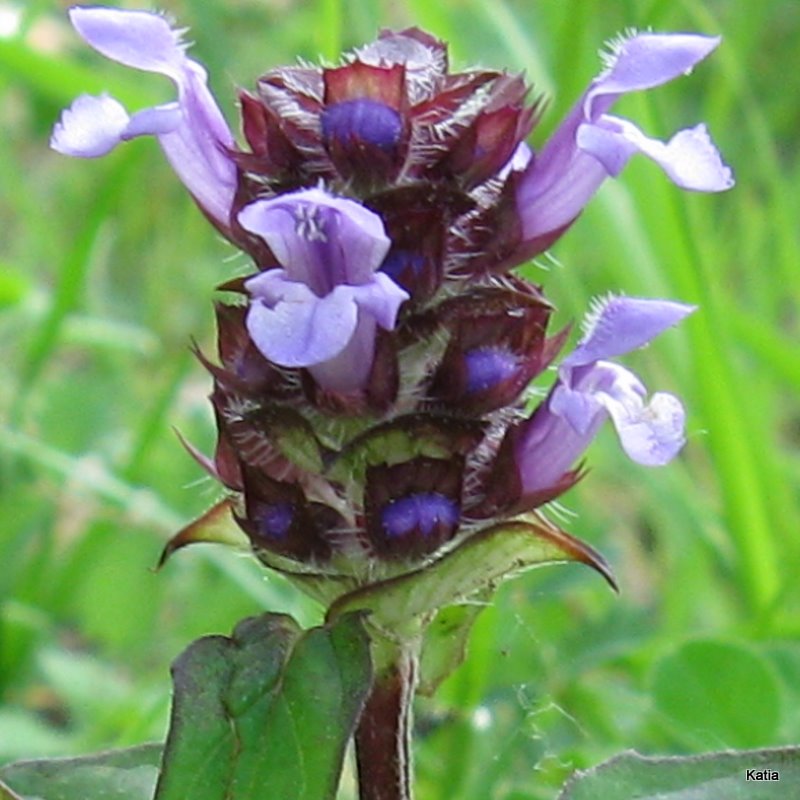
x=214 y=526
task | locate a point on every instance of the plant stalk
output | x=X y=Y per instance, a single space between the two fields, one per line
x=383 y=735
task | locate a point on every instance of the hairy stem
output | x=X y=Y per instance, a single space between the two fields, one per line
x=383 y=736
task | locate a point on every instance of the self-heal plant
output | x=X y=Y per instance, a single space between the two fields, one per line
x=375 y=438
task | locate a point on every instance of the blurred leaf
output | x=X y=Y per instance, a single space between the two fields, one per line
x=111 y=334
x=60 y=80
x=74 y=273
x=773 y=347
x=631 y=776
x=25 y=731
x=14 y=286
x=267 y=712
x=711 y=690
x=121 y=774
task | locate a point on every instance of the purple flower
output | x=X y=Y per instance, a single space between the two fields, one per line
x=591 y=389
x=591 y=145
x=192 y=131
x=321 y=309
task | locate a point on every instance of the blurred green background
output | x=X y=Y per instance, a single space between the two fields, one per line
x=107 y=272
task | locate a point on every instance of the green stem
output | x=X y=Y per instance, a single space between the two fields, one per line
x=383 y=736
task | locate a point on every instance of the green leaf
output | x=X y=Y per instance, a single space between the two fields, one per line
x=718 y=693
x=267 y=712
x=122 y=774
x=445 y=643
x=631 y=776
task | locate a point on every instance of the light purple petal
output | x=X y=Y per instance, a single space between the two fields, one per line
x=619 y=325
x=565 y=424
x=589 y=146
x=296 y=233
x=591 y=389
x=349 y=370
x=551 y=444
x=90 y=127
x=154 y=121
x=321 y=310
x=276 y=223
x=359 y=217
x=363 y=240
x=607 y=142
x=520 y=158
x=651 y=434
x=294 y=327
x=552 y=194
x=198 y=149
x=579 y=408
x=689 y=159
x=93 y=126
x=381 y=298
x=320 y=239
x=303 y=329
x=193 y=132
x=644 y=61
x=271 y=286
x=256 y=217
x=137 y=39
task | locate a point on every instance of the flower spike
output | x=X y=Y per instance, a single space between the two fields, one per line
x=371 y=385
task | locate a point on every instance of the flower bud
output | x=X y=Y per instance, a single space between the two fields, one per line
x=497 y=346
x=364 y=126
x=412 y=508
